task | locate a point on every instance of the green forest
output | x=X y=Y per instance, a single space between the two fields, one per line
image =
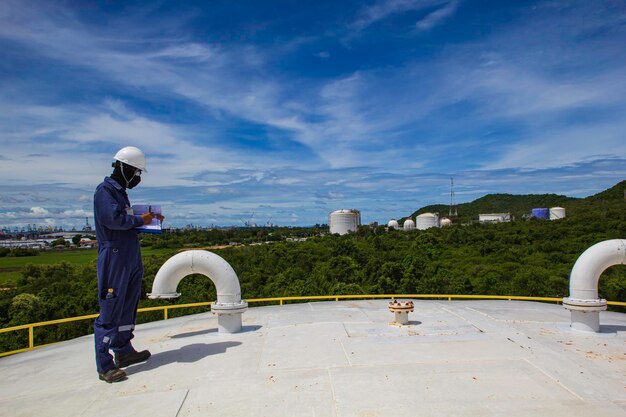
x=523 y=257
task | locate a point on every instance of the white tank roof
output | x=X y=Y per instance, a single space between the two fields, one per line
x=487 y=358
x=423 y=215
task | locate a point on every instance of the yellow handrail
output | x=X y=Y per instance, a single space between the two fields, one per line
x=280 y=300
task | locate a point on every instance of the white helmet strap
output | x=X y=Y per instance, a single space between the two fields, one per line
x=128 y=180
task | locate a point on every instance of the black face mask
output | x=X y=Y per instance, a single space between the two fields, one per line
x=126 y=176
x=134 y=182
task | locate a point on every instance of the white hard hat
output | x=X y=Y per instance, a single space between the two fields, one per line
x=132 y=156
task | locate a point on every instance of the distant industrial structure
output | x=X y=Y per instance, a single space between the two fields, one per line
x=426 y=221
x=344 y=221
x=540 y=213
x=409 y=224
x=393 y=224
x=494 y=218
x=453 y=211
x=557 y=213
x=553 y=213
x=422 y=222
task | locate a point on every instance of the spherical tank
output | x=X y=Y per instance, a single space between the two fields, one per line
x=409 y=224
x=393 y=224
x=344 y=221
x=427 y=220
x=445 y=222
x=557 y=213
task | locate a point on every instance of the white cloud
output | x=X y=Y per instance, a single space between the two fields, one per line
x=385 y=8
x=39 y=211
x=195 y=51
x=219 y=191
x=76 y=213
x=69 y=158
x=564 y=147
x=436 y=17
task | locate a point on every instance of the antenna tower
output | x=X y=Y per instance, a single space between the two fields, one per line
x=453 y=211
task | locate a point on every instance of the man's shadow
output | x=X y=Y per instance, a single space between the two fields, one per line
x=612 y=328
x=189 y=353
x=186 y=354
x=244 y=329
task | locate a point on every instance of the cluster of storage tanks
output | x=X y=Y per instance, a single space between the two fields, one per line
x=345 y=221
x=427 y=220
x=348 y=220
x=554 y=213
x=422 y=222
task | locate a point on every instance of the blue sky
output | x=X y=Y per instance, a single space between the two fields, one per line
x=287 y=111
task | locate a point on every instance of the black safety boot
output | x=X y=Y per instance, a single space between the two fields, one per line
x=112 y=375
x=122 y=361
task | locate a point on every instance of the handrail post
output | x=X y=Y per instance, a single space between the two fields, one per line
x=165 y=313
x=31 y=337
x=281 y=301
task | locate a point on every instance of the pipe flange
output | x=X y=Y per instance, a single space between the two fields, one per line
x=598 y=304
x=165 y=296
x=400 y=306
x=229 y=308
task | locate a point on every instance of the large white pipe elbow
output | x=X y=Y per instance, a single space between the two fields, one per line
x=583 y=301
x=228 y=306
x=197 y=262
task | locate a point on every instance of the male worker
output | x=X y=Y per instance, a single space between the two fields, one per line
x=120 y=270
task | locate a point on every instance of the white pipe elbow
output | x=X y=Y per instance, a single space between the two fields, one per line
x=583 y=301
x=197 y=262
x=229 y=305
x=586 y=273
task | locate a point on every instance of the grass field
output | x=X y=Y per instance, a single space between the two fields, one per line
x=11 y=268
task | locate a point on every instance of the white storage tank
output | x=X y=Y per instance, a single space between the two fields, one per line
x=445 y=222
x=409 y=224
x=393 y=224
x=427 y=220
x=557 y=213
x=344 y=221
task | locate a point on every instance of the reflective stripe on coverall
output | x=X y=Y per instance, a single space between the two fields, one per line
x=119 y=269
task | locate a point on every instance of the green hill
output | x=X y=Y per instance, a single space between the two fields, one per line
x=615 y=193
x=520 y=205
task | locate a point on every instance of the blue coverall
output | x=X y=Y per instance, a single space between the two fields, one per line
x=120 y=272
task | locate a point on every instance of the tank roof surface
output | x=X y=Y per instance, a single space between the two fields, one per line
x=346 y=358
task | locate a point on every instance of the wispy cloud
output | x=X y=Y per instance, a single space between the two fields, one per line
x=381 y=10
x=437 y=16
